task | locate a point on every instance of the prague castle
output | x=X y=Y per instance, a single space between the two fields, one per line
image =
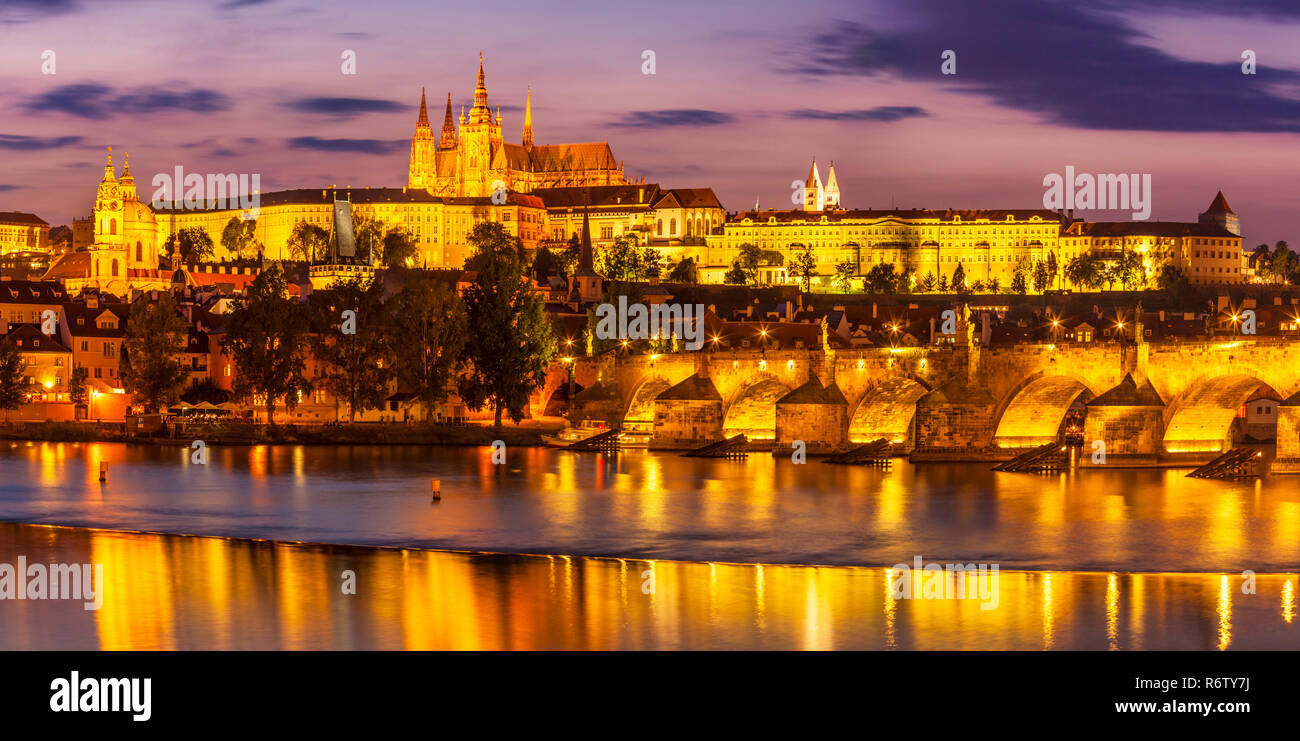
x=472 y=158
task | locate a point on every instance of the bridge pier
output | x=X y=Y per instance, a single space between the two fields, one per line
x=955 y=422
x=1128 y=421
x=814 y=414
x=687 y=414
x=1288 y=436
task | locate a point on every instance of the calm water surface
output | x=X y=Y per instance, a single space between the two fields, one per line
x=181 y=592
x=653 y=505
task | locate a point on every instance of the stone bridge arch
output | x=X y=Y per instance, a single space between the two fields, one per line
x=1200 y=418
x=1031 y=413
x=752 y=409
x=640 y=412
x=887 y=410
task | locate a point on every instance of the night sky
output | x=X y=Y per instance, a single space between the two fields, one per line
x=744 y=95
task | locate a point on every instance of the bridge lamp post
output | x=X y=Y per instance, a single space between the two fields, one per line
x=1235 y=319
x=569 y=361
x=1056 y=328
x=763 y=334
x=1119 y=326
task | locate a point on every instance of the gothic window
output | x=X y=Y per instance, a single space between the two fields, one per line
x=139 y=252
x=672 y=226
x=114 y=267
x=112 y=226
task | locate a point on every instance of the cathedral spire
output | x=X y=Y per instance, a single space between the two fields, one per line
x=423 y=122
x=528 y=118
x=109 y=176
x=480 y=111
x=448 y=139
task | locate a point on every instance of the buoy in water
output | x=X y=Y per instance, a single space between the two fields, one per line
x=435 y=486
x=103 y=471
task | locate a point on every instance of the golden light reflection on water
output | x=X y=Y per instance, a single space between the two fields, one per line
x=179 y=592
x=1288 y=601
x=1224 y=610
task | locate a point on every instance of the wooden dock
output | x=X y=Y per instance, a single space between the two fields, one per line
x=1238 y=463
x=875 y=453
x=1048 y=458
x=733 y=447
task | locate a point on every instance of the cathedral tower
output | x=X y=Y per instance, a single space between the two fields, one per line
x=832 y=197
x=814 y=198
x=478 y=141
x=422 y=172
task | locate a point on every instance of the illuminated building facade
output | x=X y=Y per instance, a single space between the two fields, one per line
x=22 y=232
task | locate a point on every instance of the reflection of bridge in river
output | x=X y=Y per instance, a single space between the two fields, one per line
x=1146 y=402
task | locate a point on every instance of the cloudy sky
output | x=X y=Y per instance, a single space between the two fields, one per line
x=744 y=95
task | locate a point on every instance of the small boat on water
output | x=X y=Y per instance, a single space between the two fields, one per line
x=573 y=434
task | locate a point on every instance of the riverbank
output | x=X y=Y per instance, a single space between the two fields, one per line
x=526 y=435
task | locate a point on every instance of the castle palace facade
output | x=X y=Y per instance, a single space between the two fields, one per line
x=471 y=158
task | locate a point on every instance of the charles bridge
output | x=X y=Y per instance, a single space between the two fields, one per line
x=1148 y=403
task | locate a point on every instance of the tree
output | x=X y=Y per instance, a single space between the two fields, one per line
x=959 y=279
x=264 y=337
x=427 y=333
x=1052 y=267
x=568 y=258
x=1130 y=271
x=187 y=246
x=399 y=248
x=804 y=267
x=881 y=278
x=993 y=285
x=735 y=275
x=152 y=368
x=1019 y=284
x=845 y=272
x=685 y=272
x=1042 y=277
x=510 y=342
x=748 y=261
x=356 y=363
x=307 y=242
x=1172 y=279
x=13 y=380
x=77 y=386
x=239 y=235
x=368 y=235
x=942 y=284
x=626 y=261
x=927 y=283
x=1085 y=270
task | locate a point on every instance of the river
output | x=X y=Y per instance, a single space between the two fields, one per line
x=642 y=550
